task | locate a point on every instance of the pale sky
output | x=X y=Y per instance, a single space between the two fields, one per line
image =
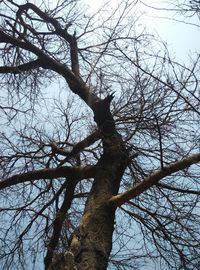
x=182 y=39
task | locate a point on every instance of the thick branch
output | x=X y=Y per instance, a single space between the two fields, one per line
x=74 y=56
x=101 y=108
x=153 y=179
x=58 y=221
x=40 y=13
x=103 y=116
x=77 y=148
x=69 y=172
x=18 y=69
x=59 y=31
x=44 y=60
x=76 y=84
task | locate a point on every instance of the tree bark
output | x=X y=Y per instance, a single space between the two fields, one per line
x=91 y=242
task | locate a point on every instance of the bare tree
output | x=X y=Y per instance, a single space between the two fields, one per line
x=99 y=129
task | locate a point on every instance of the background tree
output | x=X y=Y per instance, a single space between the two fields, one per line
x=99 y=128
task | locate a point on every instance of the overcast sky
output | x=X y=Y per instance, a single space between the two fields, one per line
x=182 y=37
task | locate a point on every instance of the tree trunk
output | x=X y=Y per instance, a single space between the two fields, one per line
x=91 y=242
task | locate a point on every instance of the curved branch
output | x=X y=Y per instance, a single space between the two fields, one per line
x=39 y=12
x=76 y=84
x=71 y=39
x=48 y=173
x=153 y=179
